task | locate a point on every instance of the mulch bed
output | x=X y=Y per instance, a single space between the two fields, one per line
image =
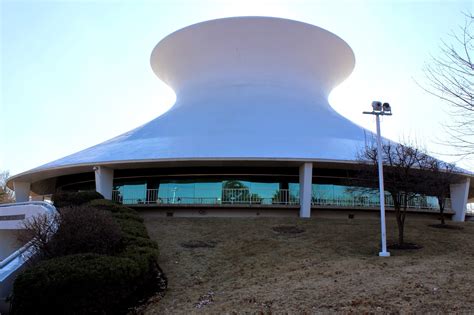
x=288 y=229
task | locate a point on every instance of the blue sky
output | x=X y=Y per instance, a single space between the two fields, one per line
x=76 y=73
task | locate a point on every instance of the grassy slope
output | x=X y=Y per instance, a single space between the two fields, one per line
x=332 y=266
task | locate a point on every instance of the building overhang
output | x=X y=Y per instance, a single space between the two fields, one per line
x=38 y=175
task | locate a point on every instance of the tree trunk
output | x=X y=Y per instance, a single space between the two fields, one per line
x=397 y=204
x=441 y=210
x=401 y=220
x=401 y=228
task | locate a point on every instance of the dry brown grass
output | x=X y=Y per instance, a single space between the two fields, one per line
x=331 y=266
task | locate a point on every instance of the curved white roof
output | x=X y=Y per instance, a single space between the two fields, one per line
x=247 y=88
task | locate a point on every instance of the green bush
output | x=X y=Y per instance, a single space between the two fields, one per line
x=111 y=206
x=84 y=229
x=145 y=257
x=68 y=199
x=128 y=216
x=80 y=284
x=93 y=283
x=132 y=227
x=130 y=240
x=76 y=230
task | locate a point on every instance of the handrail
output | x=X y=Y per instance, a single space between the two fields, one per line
x=15 y=254
x=45 y=204
x=258 y=196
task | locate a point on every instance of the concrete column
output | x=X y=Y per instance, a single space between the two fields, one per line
x=104 y=181
x=459 y=193
x=306 y=180
x=22 y=191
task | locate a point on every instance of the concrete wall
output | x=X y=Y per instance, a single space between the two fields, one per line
x=11 y=218
x=196 y=212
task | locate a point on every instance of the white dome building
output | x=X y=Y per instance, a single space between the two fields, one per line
x=251 y=128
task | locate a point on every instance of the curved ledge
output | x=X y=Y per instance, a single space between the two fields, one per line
x=252 y=50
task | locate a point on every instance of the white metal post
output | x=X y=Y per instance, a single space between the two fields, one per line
x=306 y=180
x=384 y=252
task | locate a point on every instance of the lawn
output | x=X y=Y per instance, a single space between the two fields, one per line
x=238 y=265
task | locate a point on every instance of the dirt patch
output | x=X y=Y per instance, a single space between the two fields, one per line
x=333 y=267
x=198 y=244
x=288 y=229
x=404 y=246
x=446 y=226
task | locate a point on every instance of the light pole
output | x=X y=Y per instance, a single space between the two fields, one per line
x=381 y=109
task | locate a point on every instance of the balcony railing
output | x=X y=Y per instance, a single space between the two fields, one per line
x=366 y=202
x=470 y=209
x=244 y=196
x=227 y=197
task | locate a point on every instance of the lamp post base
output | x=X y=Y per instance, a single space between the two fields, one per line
x=384 y=254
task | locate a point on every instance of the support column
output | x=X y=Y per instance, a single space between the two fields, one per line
x=22 y=191
x=459 y=193
x=104 y=181
x=306 y=181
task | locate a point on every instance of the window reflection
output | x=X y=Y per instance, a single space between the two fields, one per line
x=131 y=193
x=238 y=191
x=186 y=191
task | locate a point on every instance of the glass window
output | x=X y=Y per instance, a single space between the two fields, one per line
x=264 y=192
x=219 y=190
x=208 y=193
x=189 y=192
x=237 y=192
x=131 y=193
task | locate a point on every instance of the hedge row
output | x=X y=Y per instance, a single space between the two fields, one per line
x=69 y=199
x=93 y=283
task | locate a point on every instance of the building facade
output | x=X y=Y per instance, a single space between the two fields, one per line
x=251 y=127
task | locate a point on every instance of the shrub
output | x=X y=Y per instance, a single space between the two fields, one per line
x=105 y=204
x=132 y=227
x=75 y=230
x=118 y=211
x=68 y=199
x=111 y=206
x=128 y=216
x=139 y=241
x=83 y=229
x=84 y=283
x=93 y=283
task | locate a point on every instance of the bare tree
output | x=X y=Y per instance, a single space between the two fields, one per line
x=6 y=194
x=402 y=166
x=450 y=77
x=38 y=231
x=438 y=178
x=78 y=229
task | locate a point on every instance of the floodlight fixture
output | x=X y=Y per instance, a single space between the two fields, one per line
x=377 y=106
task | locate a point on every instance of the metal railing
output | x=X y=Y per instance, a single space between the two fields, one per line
x=12 y=265
x=245 y=196
x=420 y=202
x=470 y=209
x=49 y=209
x=201 y=196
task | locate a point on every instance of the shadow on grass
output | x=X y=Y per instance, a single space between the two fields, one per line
x=446 y=226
